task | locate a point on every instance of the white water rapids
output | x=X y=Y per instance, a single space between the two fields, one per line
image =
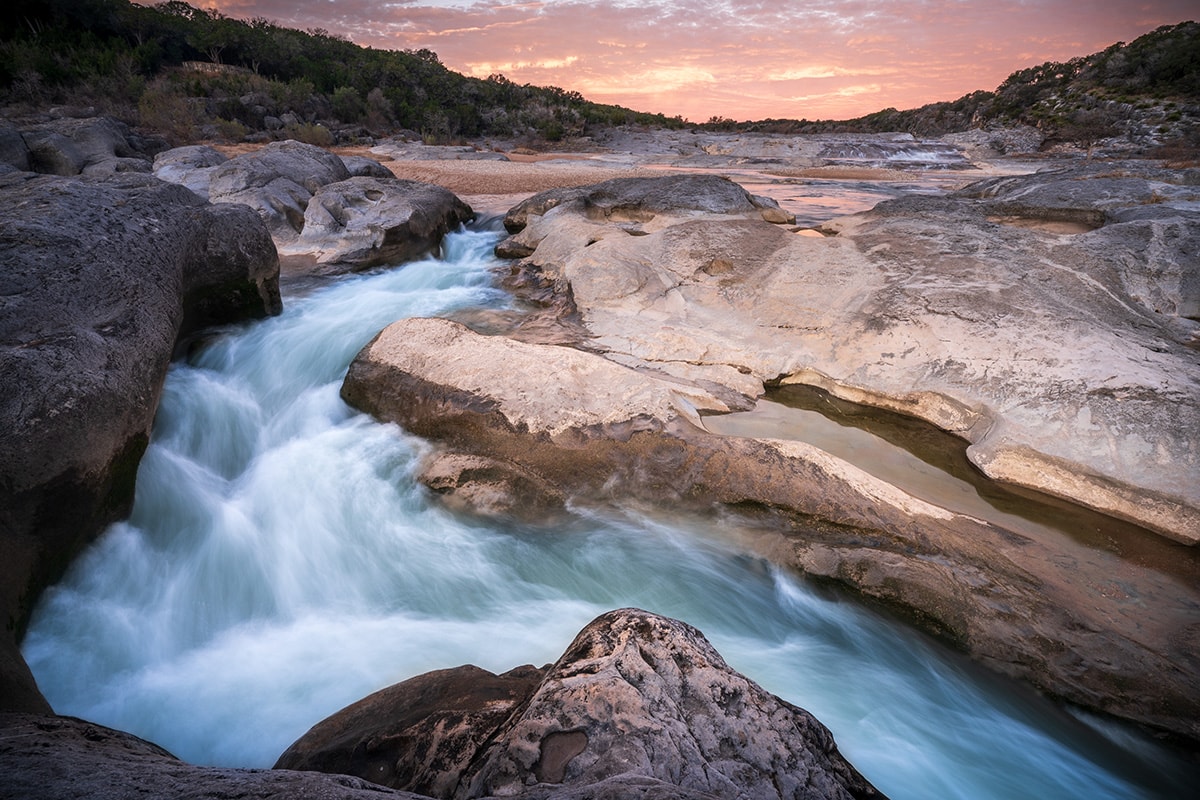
x=281 y=563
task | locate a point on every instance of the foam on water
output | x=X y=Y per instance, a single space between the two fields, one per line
x=281 y=562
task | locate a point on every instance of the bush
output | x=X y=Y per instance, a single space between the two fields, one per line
x=309 y=133
x=163 y=109
x=230 y=130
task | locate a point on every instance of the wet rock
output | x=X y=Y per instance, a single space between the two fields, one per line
x=102 y=278
x=491 y=487
x=420 y=735
x=57 y=758
x=361 y=222
x=638 y=706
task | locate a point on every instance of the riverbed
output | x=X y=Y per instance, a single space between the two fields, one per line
x=282 y=562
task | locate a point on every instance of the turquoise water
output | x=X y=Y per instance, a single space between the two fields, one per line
x=281 y=562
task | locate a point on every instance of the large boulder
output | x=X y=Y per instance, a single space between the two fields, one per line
x=94 y=146
x=63 y=758
x=639 y=705
x=634 y=200
x=521 y=427
x=277 y=181
x=102 y=279
x=364 y=221
x=191 y=166
x=1068 y=361
x=323 y=215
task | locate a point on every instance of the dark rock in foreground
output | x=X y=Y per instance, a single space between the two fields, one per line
x=638 y=706
x=101 y=279
x=63 y=758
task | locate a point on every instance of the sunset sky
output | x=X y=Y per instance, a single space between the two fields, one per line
x=745 y=59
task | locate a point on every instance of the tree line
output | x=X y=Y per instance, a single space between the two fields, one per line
x=193 y=73
x=176 y=66
x=1148 y=86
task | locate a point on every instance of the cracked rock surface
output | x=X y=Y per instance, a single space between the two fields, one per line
x=639 y=705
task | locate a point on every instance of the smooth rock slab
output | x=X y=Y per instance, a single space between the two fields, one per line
x=1068 y=362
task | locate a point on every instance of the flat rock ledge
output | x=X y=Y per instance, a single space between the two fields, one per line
x=1069 y=360
x=639 y=705
x=525 y=429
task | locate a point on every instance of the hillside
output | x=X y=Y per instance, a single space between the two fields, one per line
x=192 y=74
x=1147 y=91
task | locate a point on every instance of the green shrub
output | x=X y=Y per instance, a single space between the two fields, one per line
x=309 y=133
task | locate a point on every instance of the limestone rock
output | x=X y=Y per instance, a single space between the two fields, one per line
x=539 y=423
x=419 y=735
x=316 y=211
x=638 y=705
x=491 y=487
x=102 y=278
x=642 y=199
x=277 y=182
x=62 y=758
x=1068 y=361
x=365 y=221
x=191 y=166
x=95 y=146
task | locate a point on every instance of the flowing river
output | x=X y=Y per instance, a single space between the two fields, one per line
x=281 y=562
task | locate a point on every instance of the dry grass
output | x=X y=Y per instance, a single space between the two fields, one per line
x=526 y=173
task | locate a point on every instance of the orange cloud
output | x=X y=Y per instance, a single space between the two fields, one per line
x=737 y=58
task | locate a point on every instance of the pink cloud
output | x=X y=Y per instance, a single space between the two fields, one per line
x=745 y=59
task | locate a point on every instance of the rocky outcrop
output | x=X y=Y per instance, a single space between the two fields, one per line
x=1067 y=361
x=57 y=758
x=365 y=221
x=420 y=735
x=934 y=307
x=638 y=705
x=320 y=211
x=632 y=201
x=191 y=166
x=92 y=146
x=526 y=426
x=102 y=278
x=277 y=181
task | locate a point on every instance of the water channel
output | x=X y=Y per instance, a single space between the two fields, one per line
x=281 y=562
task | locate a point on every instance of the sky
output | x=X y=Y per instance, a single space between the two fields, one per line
x=741 y=59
